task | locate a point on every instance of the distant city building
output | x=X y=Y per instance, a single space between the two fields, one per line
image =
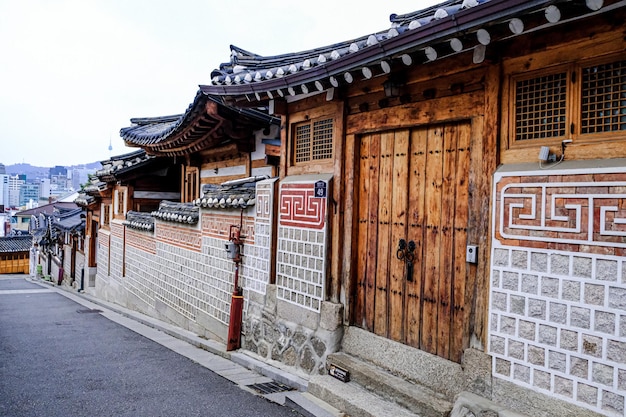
x=29 y=194
x=59 y=185
x=58 y=170
x=5 y=224
x=4 y=191
x=3 y=169
x=15 y=183
x=44 y=189
x=80 y=176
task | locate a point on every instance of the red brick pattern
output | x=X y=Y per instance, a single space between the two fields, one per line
x=142 y=241
x=299 y=207
x=218 y=226
x=117 y=230
x=577 y=213
x=183 y=237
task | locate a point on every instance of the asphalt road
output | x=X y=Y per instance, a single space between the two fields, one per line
x=59 y=359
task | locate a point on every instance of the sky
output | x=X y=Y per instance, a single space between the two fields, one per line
x=74 y=72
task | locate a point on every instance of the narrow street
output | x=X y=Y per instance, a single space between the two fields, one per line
x=59 y=358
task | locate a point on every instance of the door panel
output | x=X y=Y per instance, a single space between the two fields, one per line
x=413 y=186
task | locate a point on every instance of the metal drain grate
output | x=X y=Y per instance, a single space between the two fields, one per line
x=270 y=387
x=88 y=310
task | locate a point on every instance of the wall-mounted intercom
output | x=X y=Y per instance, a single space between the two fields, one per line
x=471 y=254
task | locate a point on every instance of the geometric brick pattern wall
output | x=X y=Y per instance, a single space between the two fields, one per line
x=184 y=237
x=140 y=240
x=185 y=267
x=142 y=271
x=558 y=286
x=189 y=277
x=302 y=237
x=217 y=280
x=185 y=280
x=116 y=249
x=102 y=254
x=256 y=260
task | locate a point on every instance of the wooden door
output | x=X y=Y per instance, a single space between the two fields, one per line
x=413 y=185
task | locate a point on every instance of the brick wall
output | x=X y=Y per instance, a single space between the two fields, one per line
x=558 y=285
x=102 y=255
x=302 y=242
x=116 y=249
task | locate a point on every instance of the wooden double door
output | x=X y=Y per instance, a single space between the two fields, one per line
x=413 y=188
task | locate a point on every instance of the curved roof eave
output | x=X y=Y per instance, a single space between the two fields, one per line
x=441 y=22
x=199 y=128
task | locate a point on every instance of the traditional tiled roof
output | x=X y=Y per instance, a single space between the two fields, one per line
x=207 y=123
x=13 y=244
x=47 y=209
x=69 y=220
x=122 y=164
x=232 y=194
x=84 y=199
x=94 y=187
x=177 y=212
x=420 y=37
x=140 y=221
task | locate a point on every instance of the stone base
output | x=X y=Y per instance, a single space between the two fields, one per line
x=534 y=403
x=302 y=345
x=440 y=375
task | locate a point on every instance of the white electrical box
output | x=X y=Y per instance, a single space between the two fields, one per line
x=544 y=153
x=471 y=254
x=232 y=250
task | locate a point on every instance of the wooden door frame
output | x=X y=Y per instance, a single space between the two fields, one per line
x=476 y=285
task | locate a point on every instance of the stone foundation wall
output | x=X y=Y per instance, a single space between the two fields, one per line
x=303 y=345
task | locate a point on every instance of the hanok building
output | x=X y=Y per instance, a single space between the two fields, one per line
x=126 y=183
x=15 y=254
x=58 y=239
x=169 y=259
x=456 y=185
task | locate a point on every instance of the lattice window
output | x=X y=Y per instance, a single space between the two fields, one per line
x=121 y=201
x=191 y=185
x=603 y=98
x=323 y=139
x=303 y=143
x=106 y=214
x=540 y=107
x=313 y=140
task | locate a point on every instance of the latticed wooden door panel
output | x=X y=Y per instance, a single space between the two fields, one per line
x=413 y=187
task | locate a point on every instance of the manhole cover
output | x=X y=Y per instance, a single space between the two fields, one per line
x=270 y=387
x=88 y=310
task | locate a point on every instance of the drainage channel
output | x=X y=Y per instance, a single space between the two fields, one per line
x=270 y=387
x=88 y=310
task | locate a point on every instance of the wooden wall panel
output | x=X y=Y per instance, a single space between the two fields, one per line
x=399 y=207
x=415 y=232
x=385 y=193
x=432 y=238
x=372 y=231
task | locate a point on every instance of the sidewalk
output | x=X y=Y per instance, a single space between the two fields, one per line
x=248 y=373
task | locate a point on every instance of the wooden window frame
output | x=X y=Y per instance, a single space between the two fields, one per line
x=610 y=134
x=190 y=179
x=573 y=103
x=120 y=202
x=312 y=166
x=313 y=140
x=106 y=215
